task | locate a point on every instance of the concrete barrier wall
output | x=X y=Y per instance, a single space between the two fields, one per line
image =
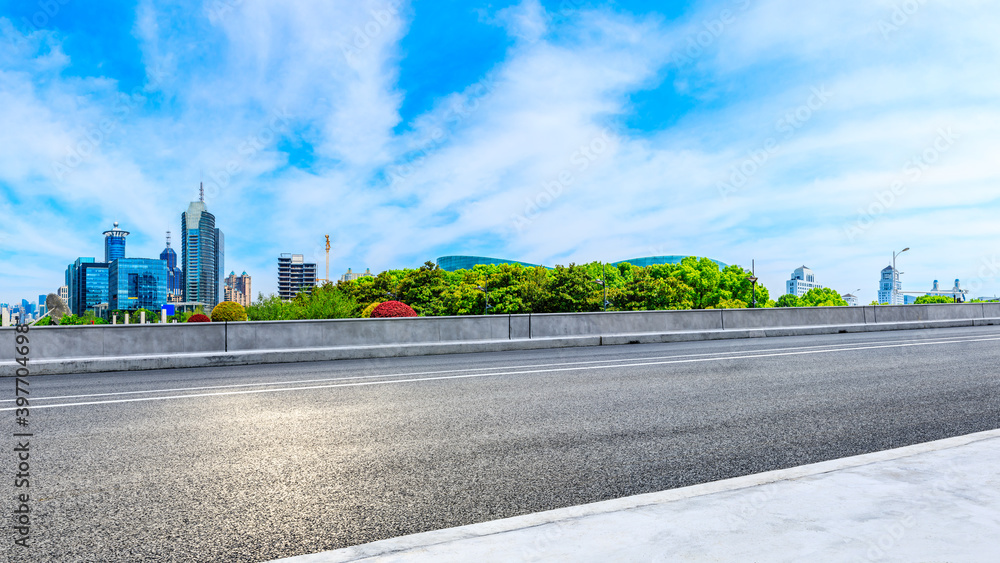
x=623 y=322
x=364 y=332
x=48 y=343
x=793 y=316
x=936 y=312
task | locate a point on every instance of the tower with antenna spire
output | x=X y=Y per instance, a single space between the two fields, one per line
x=175 y=276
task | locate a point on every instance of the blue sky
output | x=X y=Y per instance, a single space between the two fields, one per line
x=549 y=132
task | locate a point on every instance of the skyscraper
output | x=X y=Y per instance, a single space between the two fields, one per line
x=238 y=288
x=886 y=295
x=114 y=244
x=202 y=255
x=175 y=276
x=220 y=264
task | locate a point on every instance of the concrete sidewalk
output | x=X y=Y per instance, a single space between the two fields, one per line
x=938 y=501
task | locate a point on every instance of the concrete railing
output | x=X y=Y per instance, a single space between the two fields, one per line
x=473 y=333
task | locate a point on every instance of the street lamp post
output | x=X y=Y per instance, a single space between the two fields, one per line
x=895 y=274
x=604 y=284
x=753 y=280
x=486 y=293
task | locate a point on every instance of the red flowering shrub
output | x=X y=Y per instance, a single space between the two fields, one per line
x=199 y=318
x=393 y=309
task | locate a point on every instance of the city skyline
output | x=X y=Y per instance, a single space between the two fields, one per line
x=718 y=129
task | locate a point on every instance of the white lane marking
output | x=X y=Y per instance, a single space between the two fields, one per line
x=466 y=370
x=477 y=375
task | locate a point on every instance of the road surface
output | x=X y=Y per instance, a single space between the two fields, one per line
x=261 y=462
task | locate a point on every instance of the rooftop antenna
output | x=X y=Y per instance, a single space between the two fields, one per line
x=168 y=239
x=201 y=197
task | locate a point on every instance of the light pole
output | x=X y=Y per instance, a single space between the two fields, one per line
x=753 y=280
x=486 y=292
x=604 y=271
x=895 y=274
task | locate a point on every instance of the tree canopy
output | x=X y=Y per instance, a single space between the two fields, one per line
x=927 y=299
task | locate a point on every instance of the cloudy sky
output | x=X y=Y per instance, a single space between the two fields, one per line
x=820 y=133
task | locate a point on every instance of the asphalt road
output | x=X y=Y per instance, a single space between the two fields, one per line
x=261 y=462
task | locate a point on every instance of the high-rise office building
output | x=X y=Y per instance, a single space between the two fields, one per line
x=801 y=282
x=886 y=295
x=238 y=288
x=175 y=276
x=114 y=244
x=87 y=285
x=294 y=275
x=220 y=263
x=137 y=283
x=201 y=255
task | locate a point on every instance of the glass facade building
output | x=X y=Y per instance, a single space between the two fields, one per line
x=454 y=263
x=137 y=283
x=87 y=285
x=201 y=256
x=220 y=265
x=114 y=244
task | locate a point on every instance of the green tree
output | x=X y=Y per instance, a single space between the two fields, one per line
x=927 y=299
x=424 y=290
x=87 y=318
x=731 y=304
x=647 y=292
x=569 y=290
x=703 y=277
x=788 y=300
x=822 y=297
x=734 y=284
x=270 y=308
x=324 y=302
